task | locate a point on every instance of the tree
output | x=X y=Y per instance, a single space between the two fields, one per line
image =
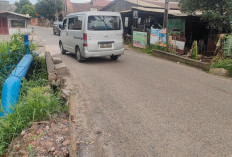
x=28 y=9
x=46 y=8
x=19 y=5
x=215 y=12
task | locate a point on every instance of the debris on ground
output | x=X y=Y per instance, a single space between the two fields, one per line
x=46 y=138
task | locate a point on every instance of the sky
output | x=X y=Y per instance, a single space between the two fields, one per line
x=34 y=1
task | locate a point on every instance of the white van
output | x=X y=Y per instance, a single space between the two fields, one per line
x=92 y=34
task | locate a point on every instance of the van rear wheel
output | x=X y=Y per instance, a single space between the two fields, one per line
x=113 y=58
x=62 y=49
x=78 y=55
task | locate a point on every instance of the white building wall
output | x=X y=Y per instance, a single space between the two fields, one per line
x=15 y=30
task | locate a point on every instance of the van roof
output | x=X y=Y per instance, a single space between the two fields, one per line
x=94 y=13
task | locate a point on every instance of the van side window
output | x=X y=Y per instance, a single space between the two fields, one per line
x=65 y=24
x=75 y=23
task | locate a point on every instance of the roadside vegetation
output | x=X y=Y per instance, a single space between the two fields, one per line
x=149 y=48
x=11 y=53
x=37 y=102
x=223 y=63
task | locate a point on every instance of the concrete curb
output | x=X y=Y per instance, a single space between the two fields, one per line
x=177 y=58
x=50 y=68
x=57 y=75
x=56 y=72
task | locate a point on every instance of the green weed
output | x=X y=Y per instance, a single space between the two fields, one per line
x=38 y=105
x=149 y=49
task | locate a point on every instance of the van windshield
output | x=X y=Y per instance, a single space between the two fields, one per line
x=99 y=23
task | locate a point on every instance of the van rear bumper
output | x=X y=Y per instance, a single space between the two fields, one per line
x=87 y=54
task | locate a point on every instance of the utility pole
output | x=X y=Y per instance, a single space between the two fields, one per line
x=165 y=22
x=55 y=9
x=65 y=8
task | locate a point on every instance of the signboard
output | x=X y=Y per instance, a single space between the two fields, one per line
x=139 y=39
x=135 y=14
x=93 y=9
x=158 y=37
x=126 y=21
x=177 y=45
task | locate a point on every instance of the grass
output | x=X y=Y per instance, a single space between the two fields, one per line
x=149 y=48
x=37 y=102
x=223 y=63
x=11 y=53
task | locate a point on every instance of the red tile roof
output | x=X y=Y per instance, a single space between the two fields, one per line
x=80 y=7
x=101 y=3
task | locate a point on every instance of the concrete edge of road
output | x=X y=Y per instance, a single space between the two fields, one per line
x=177 y=58
x=58 y=75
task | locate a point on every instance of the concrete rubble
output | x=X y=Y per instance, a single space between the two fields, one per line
x=47 y=138
x=219 y=71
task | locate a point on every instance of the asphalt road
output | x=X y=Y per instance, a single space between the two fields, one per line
x=145 y=106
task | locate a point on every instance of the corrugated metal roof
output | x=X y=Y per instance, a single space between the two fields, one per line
x=125 y=11
x=172 y=5
x=13 y=13
x=170 y=12
x=143 y=3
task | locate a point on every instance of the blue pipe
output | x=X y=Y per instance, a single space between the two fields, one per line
x=11 y=87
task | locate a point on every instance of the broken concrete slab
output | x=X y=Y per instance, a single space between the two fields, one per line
x=61 y=69
x=219 y=71
x=57 y=60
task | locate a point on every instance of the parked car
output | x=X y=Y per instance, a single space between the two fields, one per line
x=92 y=34
x=57 y=27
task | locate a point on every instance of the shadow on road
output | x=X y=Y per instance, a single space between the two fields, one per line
x=96 y=60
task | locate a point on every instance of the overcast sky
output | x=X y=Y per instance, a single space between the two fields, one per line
x=34 y=1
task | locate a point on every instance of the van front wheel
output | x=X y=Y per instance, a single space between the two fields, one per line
x=78 y=55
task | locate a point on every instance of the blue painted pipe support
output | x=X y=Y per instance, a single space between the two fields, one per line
x=11 y=87
x=26 y=43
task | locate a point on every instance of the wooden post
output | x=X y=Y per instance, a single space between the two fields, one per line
x=72 y=125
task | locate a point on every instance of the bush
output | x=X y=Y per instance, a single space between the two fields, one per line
x=10 y=55
x=226 y=64
x=149 y=49
x=37 y=105
x=37 y=102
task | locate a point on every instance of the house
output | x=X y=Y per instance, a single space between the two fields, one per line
x=123 y=5
x=81 y=7
x=5 y=6
x=11 y=22
x=141 y=15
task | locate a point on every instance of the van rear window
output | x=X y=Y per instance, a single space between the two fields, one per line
x=100 y=23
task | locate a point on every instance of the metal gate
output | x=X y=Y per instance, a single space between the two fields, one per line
x=4 y=26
